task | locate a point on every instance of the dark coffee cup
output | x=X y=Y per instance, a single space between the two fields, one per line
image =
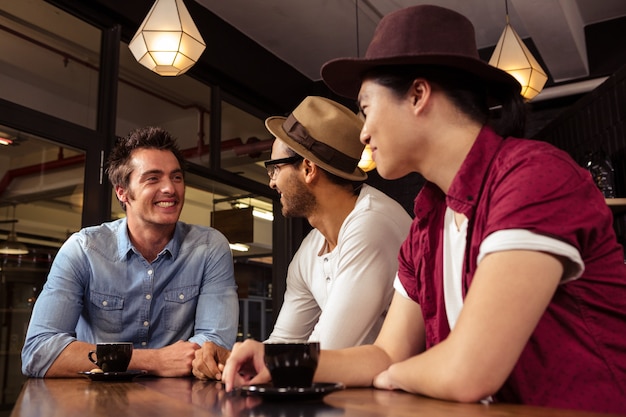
x=112 y=357
x=292 y=365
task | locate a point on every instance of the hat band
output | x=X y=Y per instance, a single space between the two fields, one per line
x=325 y=153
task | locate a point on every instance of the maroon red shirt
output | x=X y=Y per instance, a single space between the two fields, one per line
x=576 y=357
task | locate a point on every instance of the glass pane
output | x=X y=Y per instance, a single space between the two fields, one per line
x=245 y=143
x=50 y=61
x=41 y=189
x=181 y=105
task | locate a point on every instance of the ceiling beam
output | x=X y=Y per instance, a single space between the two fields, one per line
x=557 y=30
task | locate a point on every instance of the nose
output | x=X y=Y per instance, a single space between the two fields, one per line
x=364 y=137
x=272 y=183
x=167 y=186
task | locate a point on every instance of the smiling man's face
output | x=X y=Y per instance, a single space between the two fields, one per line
x=156 y=189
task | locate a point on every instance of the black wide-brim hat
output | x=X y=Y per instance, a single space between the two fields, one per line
x=417 y=35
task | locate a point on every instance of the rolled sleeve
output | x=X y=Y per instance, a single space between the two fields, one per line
x=56 y=312
x=217 y=313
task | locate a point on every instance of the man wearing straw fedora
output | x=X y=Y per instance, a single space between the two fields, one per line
x=340 y=281
x=511 y=284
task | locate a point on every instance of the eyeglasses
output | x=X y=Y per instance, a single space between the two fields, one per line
x=273 y=164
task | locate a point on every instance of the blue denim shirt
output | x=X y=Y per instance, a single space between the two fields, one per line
x=100 y=289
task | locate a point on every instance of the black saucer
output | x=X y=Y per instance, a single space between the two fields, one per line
x=316 y=391
x=113 y=376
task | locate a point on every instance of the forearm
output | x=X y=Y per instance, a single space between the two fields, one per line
x=147 y=360
x=501 y=310
x=436 y=373
x=355 y=367
x=72 y=360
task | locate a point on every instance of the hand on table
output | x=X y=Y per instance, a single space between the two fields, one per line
x=209 y=361
x=169 y=361
x=246 y=365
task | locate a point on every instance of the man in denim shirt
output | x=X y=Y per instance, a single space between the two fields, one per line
x=149 y=279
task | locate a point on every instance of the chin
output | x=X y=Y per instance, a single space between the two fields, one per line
x=389 y=174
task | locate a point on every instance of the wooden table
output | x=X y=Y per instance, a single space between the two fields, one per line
x=189 y=397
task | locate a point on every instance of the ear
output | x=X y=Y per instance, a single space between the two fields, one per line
x=419 y=93
x=310 y=170
x=120 y=192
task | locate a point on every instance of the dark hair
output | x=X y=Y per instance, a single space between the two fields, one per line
x=469 y=93
x=335 y=179
x=118 y=164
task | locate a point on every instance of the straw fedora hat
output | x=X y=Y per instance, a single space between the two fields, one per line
x=417 y=35
x=324 y=132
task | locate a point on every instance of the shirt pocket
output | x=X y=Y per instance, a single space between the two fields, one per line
x=106 y=311
x=180 y=306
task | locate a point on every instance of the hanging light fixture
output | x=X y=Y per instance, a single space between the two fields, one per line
x=367 y=162
x=5 y=139
x=512 y=56
x=167 y=42
x=11 y=246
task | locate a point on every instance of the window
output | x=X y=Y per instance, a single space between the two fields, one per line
x=50 y=61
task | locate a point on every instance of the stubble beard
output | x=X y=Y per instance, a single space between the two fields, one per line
x=298 y=201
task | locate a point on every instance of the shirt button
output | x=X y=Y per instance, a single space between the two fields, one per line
x=105 y=303
x=325 y=259
x=181 y=296
x=150 y=272
x=148 y=297
x=145 y=324
x=143 y=343
x=327 y=279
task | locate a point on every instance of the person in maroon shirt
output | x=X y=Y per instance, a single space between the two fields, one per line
x=511 y=284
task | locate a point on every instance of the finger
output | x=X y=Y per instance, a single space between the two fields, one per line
x=200 y=367
x=263 y=377
x=211 y=367
x=231 y=369
x=198 y=374
x=228 y=378
x=220 y=369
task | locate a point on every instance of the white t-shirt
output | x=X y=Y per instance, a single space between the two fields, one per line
x=454 y=241
x=340 y=298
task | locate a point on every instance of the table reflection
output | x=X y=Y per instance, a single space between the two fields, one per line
x=211 y=396
x=183 y=397
x=86 y=398
x=292 y=409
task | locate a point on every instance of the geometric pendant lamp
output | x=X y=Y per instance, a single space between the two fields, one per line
x=512 y=56
x=167 y=42
x=367 y=163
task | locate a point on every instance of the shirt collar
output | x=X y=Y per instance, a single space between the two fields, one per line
x=126 y=247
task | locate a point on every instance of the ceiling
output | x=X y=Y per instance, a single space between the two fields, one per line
x=305 y=34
